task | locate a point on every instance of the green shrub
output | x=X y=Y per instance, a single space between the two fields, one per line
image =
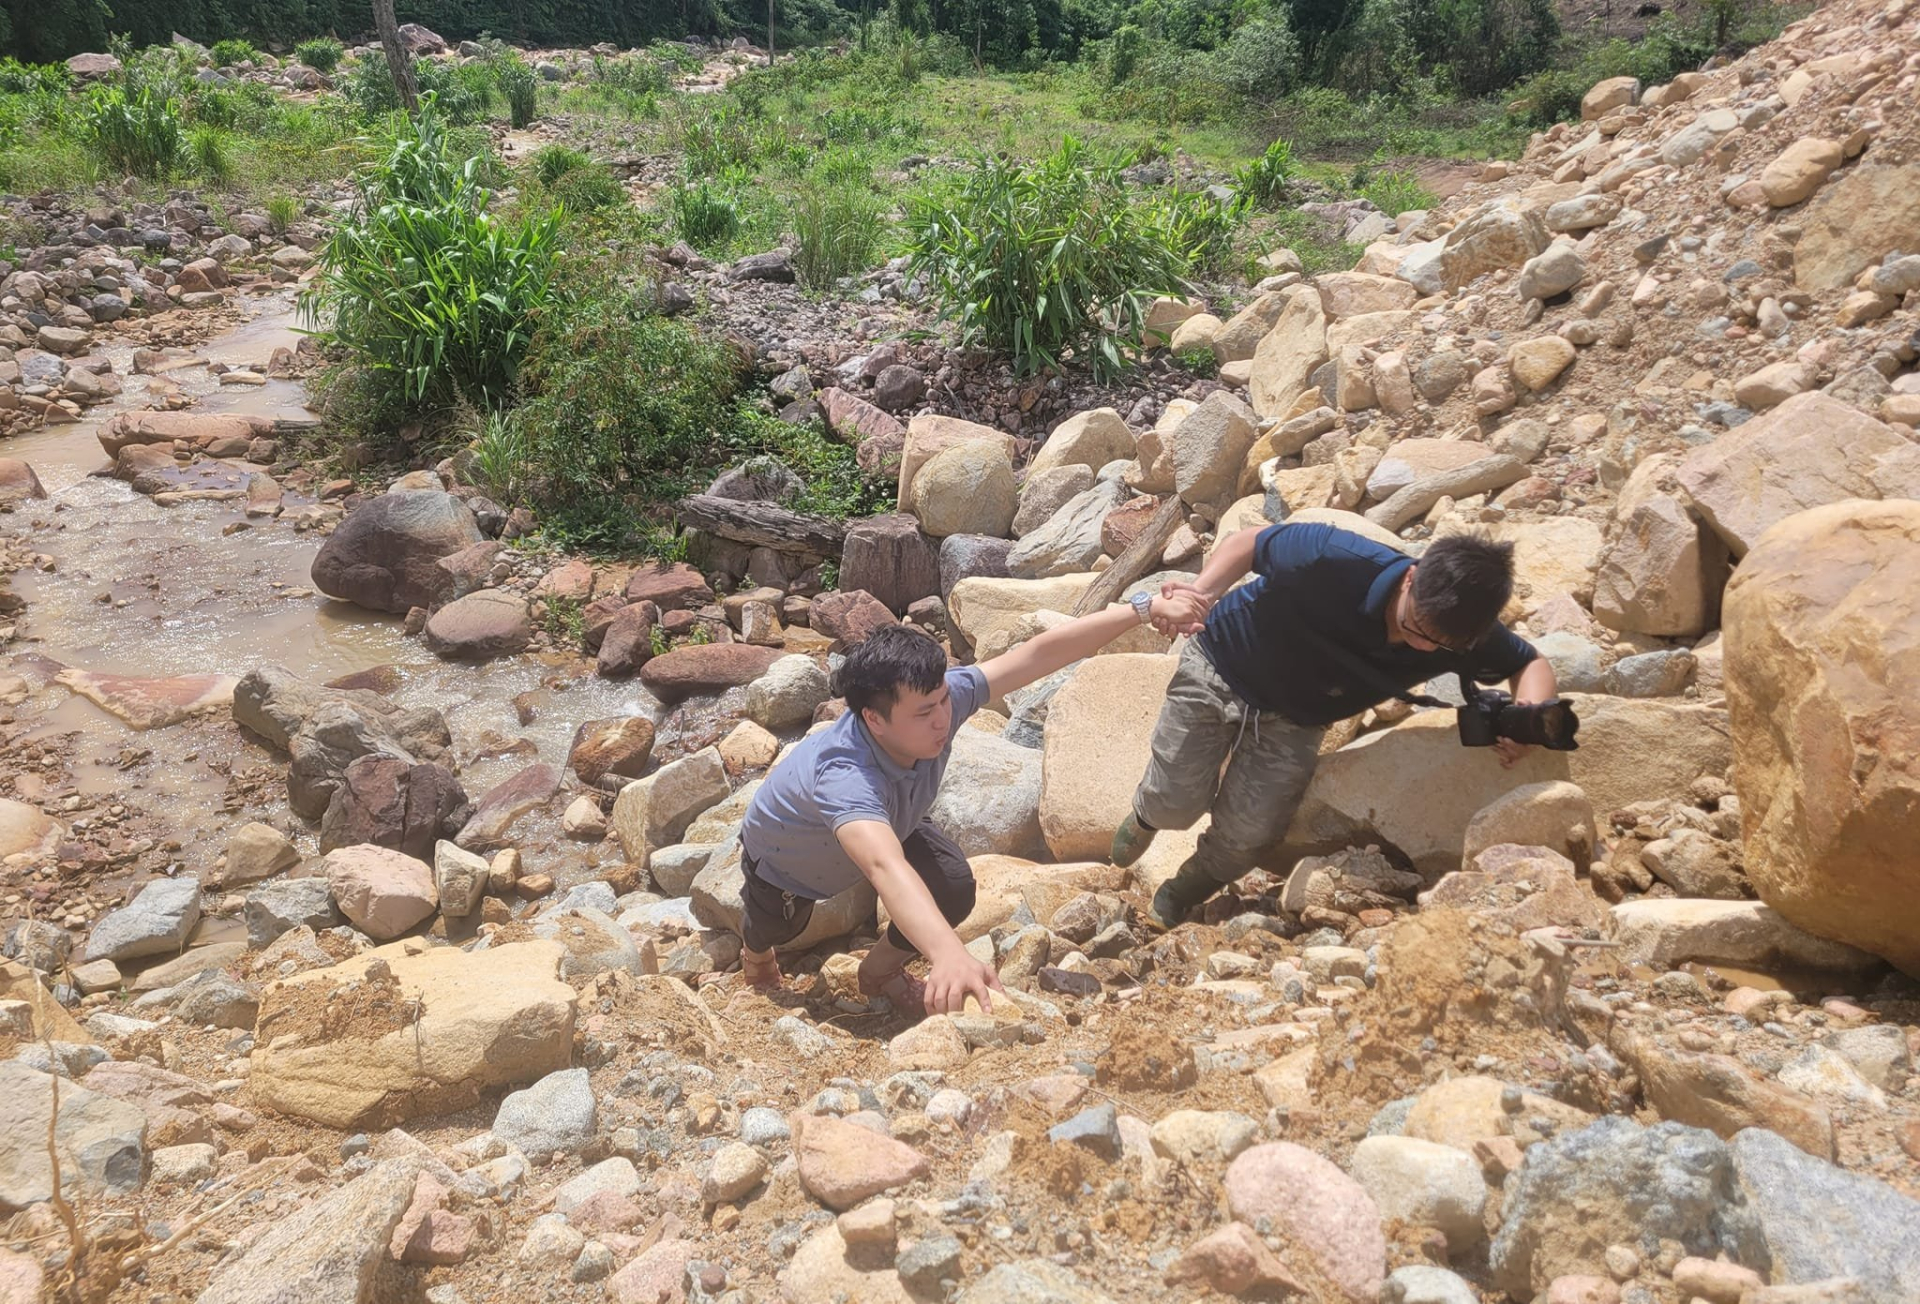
x=462 y=94
x=423 y=288
x=587 y=189
x=502 y=457
x=231 y=51
x=1045 y=262
x=623 y=407
x=138 y=131
x=1198 y=225
x=1263 y=182
x=282 y=212
x=209 y=155
x=322 y=53
x=1393 y=192
x=839 y=228
x=1199 y=362
x=18 y=78
x=706 y=215
x=551 y=162
x=519 y=84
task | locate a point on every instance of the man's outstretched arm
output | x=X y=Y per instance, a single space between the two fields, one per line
x=955 y=975
x=1065 y=644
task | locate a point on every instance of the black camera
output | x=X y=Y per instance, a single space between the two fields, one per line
x=1490 y=714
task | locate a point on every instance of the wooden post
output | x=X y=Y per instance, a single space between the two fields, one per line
x=397 y=62
x=769 y=33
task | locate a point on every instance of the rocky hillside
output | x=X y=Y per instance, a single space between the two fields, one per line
x=1629 y=1025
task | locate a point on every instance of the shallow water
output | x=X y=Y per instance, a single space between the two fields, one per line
x=143 y=590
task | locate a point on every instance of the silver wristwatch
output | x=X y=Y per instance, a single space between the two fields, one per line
x=1142 y=603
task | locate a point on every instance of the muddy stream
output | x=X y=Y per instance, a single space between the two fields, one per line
x=143 y=590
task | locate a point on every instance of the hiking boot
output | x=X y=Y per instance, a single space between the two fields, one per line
x=1130 y=841
x=1181 y=894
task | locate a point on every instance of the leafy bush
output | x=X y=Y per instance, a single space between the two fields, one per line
x=1045 y=262
x=706 y=215
x=210 y=156
x=1261 y=59
x=1198 y=225
x=18 y=78
x=551 y=162
x=462 y=94
x=1263 y=182
x=585 y=189
x=1199 y=362
x=137 y=130
x=231 y=51
x=622 y=408
x=426 y=290
x=518 y=83
x=1393 y=192
x=322 y=53
x=839 y=228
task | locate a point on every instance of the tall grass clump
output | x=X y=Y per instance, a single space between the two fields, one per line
x=706 y=215
x=282 y=212
x=839 y=228
x=231 y=51
x=137 y=129
x=209 y=155
x=322 y=53
x=423 y=288
x=1263 y=182
x=518 y=82
x=1047 y=262
x=573 y=180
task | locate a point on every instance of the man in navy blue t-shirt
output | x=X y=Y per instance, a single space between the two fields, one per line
x=1332 y=624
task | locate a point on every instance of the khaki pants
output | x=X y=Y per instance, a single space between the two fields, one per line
x=1268 y=760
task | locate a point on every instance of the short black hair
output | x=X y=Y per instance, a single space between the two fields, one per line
x=892 y=657
x=1461 y=585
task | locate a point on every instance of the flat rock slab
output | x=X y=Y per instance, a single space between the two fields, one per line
x=326 y=1252
x=152 y=703
x=100 y=1141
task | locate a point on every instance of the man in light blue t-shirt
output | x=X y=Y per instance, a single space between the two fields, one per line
x=851 y=802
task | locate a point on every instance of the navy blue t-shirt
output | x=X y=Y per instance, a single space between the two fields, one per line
x=1308 y=636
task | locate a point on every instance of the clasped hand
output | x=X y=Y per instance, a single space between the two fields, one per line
x=1181 y=608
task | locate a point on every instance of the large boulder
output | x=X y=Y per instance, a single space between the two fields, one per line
x=1210 y=448
x=1661 y=574
x=1090 y=439
x=1629 y=751
x=446 y=1026
x=788 y=694
x=1504 y=233
x=1667 y=933
x=966 y=488
x=929 y=435
x=1358 y=294
x=1099 y=728
x=382 y=555
x=891 y=558
x=1822 y=639
x=525 y=790
x=390 y=802
x=158 y=921
x=618 y=748
x=981 y=607
x=383 y=892
x=1857 y=221
x=329 y=1250
x=18 y=482
x=705 y=668
x=1070 y=540
x=26 y=829
x=1821 y=1222
x=480 y=627
x=1324 y=1218
x=99 y=1142
x=1288 y=354
x=655 y=811
x=1618 y=1183
x=1810 y=451
x=989 y=799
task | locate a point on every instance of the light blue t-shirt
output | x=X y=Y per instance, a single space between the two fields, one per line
x=834 y=777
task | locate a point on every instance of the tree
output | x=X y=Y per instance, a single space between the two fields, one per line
x=397 y=62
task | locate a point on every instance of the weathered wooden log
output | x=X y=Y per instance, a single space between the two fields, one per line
x=762 y=525
x=1140 y=558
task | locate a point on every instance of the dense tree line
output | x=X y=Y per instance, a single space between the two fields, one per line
x=1473 y=46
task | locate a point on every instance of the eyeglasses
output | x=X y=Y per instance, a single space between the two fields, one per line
x=1408 y=625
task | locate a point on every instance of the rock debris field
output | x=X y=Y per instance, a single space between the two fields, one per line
x=319 y=992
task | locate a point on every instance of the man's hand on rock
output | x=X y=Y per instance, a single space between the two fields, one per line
x=955 y=977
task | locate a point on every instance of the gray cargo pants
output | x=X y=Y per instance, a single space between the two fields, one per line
x=1268 y=758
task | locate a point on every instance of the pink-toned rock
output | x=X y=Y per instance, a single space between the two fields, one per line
x=383 y=892
x=1326 y=1216
x=851 y=617
x=17 y=481
x=674 y=587
x=853 y=420
x=658 y=1276
x=151 y=703
x=706 y=668
x=443 y=1238
x=21 y=1279
x=619 y=747
x=199 y=430
x=606 y=1211
x=842 y=1163
x=570 y=581
x=1582 y=1290
x=1714 y=1281
x=1232 y=1261
x=1056 y=1093
x=625 y=639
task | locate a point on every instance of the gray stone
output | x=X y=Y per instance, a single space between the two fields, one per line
x=274 y=908
x=1818 y=1221
x=1096 y=1128
x=1031 y=1281
x=595 y=942
x=971 y=556
x=1665 y=673
x=1879 y=1053
x=786 y=696
x=216 y=998
x=1632 y=1185
x=382 y=555
x=328 y=1250
x=40 y=945
x=928 y=1264
x=989 y=799
x=763 y=1126
x=101 y=1142
x=597 y=895
x=1069 y=542
x=1046 y=492
x=1578 y=663
x=556 y=1113
x=674 y=868
x=157 y=922
x=1553 y=272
